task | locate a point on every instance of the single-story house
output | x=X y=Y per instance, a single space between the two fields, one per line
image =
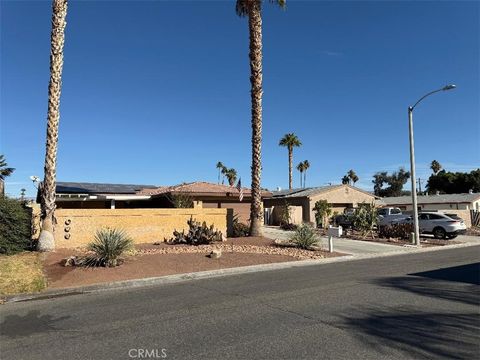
x=72 y=195
x=460 y=204
x=302 y=202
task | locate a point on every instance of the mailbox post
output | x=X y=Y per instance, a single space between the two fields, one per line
x=333 y=231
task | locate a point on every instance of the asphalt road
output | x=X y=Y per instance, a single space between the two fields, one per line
x=412 y=306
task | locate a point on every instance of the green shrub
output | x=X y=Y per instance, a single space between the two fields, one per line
x=365 y=218
x=399 y=231
x=304 y=237
x=240 y=229
x=322 y=210
x=198 y=234
x=15 y=226
x=108 y=245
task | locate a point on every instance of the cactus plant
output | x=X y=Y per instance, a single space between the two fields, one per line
x=198 y=234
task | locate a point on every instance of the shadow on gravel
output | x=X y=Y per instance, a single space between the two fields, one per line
x=15 y=326
x=418 y=334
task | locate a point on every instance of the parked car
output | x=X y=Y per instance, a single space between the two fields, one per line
x=438 y=224
x=389 y=215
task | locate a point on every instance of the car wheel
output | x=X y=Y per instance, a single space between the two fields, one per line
x=439 y=233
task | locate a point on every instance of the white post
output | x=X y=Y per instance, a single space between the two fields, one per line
x=330 y=244
x=112 y=204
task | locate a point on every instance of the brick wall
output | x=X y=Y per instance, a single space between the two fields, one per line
x=143 y=225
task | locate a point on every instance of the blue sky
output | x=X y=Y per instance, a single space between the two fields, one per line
x=157 y=92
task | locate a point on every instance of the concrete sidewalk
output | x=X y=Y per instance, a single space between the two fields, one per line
x=346 y=246
x=360 y=248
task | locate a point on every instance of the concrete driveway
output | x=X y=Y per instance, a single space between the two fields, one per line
x=345 y=246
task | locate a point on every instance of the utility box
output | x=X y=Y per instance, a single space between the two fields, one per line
x=335 y=231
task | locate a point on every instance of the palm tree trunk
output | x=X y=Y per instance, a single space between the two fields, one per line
x=305 y=178
x=59 y=12
x=255 y=34
x=290 y=165
x=2 y=188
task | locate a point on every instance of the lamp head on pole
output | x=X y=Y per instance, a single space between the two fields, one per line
x=449 y=87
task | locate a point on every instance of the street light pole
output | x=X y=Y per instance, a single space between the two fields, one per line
x=412 y=161
x=413 y=176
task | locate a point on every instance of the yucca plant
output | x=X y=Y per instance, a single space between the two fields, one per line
x=108 y=245
x=304 y=237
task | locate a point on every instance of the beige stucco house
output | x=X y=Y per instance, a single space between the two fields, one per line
x=302 y=201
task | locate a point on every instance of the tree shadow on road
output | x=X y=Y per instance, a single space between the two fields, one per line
x=418 y=334
x=426 y=334
x=458 y=283
x=15 y=326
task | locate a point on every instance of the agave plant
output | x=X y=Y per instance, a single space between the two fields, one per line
x=304 y=237
x=108 y=245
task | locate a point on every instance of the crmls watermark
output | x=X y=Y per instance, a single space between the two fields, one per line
x=147 y=353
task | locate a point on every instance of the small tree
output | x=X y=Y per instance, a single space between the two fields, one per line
x=181 y=201
x=365 y=218
x=322 y=211
x=286 y=218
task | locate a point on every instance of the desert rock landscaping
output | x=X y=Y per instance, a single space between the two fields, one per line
x=150 y=260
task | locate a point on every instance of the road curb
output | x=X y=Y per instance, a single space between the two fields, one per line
x=179 y=278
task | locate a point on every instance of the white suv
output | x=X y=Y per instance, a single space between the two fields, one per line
x=440 y=225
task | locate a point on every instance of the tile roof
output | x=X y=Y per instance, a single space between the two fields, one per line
x=97 y=188
x=432 y=199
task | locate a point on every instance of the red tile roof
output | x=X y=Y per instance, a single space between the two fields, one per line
x=198 y=187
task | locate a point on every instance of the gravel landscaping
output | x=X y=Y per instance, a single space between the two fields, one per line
x=424 y=241
x=164 y=259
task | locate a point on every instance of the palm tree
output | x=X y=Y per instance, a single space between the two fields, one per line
x=352 y=176
x=345 y=180
x=301 y=168
x=231 y=175
x=306 y=166
x=46 y=240
x=224 y=173
x=253 y=10
x=435 y=166
x=5 y=171
x=290 y=141
x=220 y=167
x=22 y=193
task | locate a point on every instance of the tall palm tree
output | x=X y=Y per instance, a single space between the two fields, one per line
x=301 y=169
x=290 y=141
x=306 y=166
x=435 y=166
x=253 y=10
x=220 y=167
x=5 y=171
x=46 y=240
x=231 y=175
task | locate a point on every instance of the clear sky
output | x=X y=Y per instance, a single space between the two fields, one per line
x=156 y=92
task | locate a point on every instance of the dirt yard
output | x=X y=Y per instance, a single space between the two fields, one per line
x=160 y=260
